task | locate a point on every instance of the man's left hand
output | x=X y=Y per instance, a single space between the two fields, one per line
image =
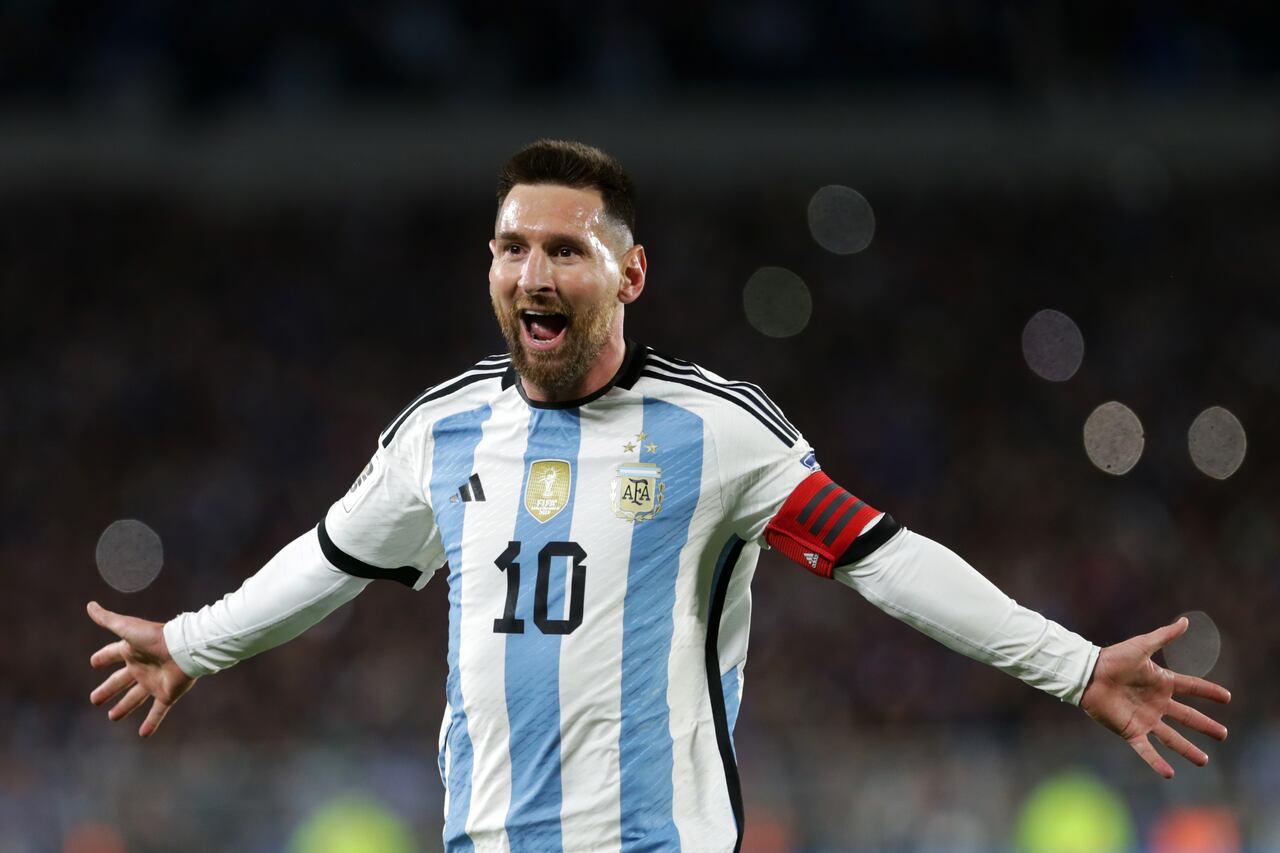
x=1131 y=695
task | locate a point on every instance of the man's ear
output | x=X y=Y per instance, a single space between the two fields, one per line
x=634 y=266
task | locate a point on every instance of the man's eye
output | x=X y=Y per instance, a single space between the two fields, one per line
x=514 y=248
x=565 y=252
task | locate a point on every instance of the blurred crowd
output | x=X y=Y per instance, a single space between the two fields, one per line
x=222 y=374
x=138 y=56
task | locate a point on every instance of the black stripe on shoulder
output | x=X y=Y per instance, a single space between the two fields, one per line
x=868 y=542
x=719 y=717
x=752 y=394
x=748 y=387
x=343 y=561
x=479 y=373
x=709 y=388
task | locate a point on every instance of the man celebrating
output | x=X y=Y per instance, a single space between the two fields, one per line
x=600 y=509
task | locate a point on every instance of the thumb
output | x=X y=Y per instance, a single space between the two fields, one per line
x=1162 y=636
x=113 y=622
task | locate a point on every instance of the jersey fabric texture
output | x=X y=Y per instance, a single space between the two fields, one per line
x=599 y=556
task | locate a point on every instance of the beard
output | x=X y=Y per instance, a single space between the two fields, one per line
x=586 y=333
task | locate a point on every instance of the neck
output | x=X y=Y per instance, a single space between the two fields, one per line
x=606 y=366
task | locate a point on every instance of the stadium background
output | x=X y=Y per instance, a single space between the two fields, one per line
x=234 y=241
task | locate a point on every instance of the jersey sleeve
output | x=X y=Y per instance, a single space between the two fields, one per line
x=933 y=590
x=295 y=589
x=778 y=496
x=384 y=526
x=758 y=471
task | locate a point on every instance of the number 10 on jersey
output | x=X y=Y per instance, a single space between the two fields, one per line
x=506 y=562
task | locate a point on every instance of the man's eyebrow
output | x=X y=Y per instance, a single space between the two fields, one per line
x=555 y=239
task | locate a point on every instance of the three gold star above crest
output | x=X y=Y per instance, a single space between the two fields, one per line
x=630 y=446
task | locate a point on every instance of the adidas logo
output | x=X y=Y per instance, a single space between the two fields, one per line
x=469 y=491
x=811 y=559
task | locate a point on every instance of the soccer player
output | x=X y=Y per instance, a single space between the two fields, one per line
x=598 y=509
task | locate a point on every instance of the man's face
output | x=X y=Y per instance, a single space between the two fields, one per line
x=555 y=281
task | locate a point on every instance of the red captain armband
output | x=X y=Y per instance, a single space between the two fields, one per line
x=818 y=523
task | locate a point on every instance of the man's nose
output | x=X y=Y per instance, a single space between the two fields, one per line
x=536 y=275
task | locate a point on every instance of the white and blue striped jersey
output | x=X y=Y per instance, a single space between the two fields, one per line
x=599 y=556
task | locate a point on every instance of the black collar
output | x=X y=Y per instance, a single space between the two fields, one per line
x=628 y=373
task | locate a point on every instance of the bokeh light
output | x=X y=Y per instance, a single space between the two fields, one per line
x=1195 y=652
x=129 y=555
x=777 y=302
x=93 y=838
x=841 y=220
x=1217 y=442
x=1074 y=812
x=1052 y=345
x=1196 y=829
x=1113 y=438
x=353 y=824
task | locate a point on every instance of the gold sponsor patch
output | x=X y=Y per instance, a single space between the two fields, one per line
x=546 y=490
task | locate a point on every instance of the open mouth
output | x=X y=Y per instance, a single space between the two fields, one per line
x=543 y=329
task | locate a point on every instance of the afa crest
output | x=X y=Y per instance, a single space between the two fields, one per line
x=546 y=490
x=637 y=491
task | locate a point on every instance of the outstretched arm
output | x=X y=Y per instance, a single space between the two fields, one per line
x=293 y=591
x=383 y=527
x=930 y=588
x=776 y=492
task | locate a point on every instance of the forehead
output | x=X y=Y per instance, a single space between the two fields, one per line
x=551 y=208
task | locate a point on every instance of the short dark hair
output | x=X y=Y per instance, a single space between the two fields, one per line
x=572 y=164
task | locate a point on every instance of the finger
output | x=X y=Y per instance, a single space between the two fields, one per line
x=154 y=718
x=110 y=654
x=105 y=618
x=1193 y=719
x=136 y=696
x=128 y=628
x=1148 y=753
x=113 y=684
x=1165 y=634
x=1180 y=744
x=1189 y=685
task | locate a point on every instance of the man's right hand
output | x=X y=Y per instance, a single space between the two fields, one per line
x=148 y=668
